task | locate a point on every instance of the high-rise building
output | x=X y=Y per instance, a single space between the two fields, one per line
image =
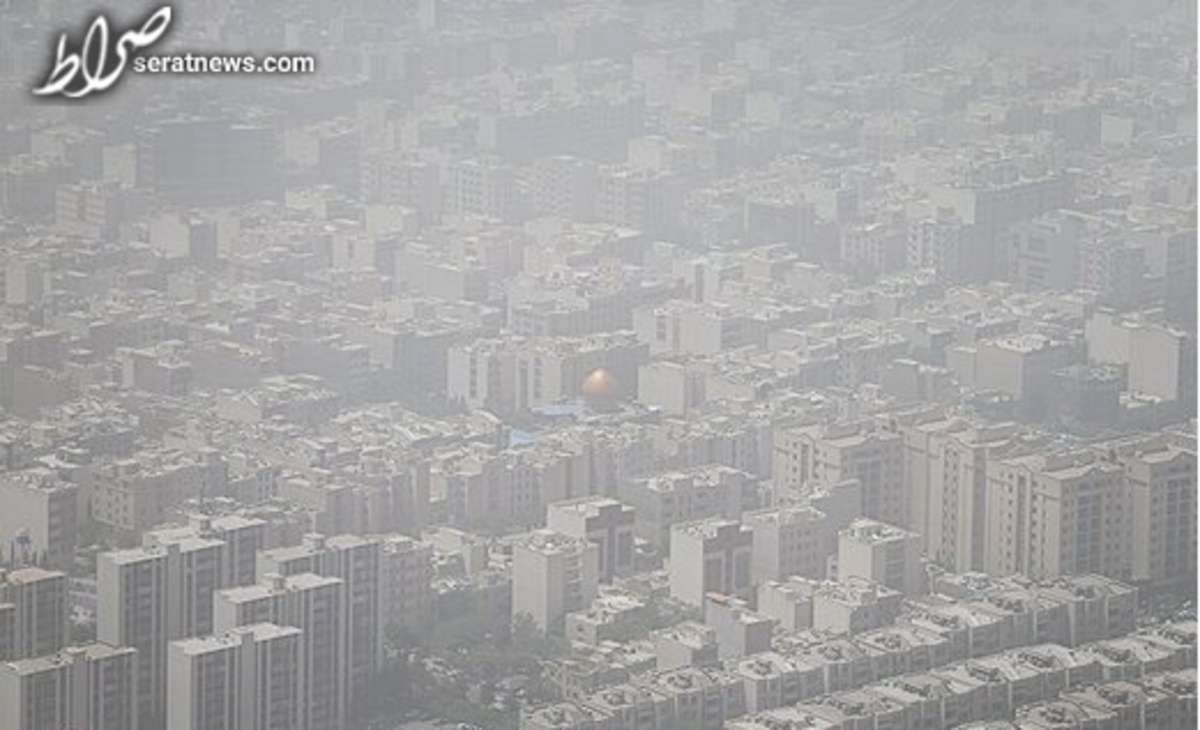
x=946 y=459
x=1160 y=475
x=37 y=601
x=405 y=588
x=90 y=686
x=1057 y=514
x=245 y=679
x=313 y=604
x=553 y=574
x=243 y=538
x=880 y=553
x=356 y=561
x=194 y=572
x=132 y=610
x=830 y=454
x=710 y=556
x=151 y=595
x=603 y=521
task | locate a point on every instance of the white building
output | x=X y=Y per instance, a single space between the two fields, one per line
x=881 y=553
x=36 y=602
x=603 y=521
x=38 y=522
x=246 y=679
x=788 y=540
x=313 y=604
x=830 y=454
x=356 y=561
x=150 y=595
x=405 y=587
x=553 y=574
x=710 y=556
x=1057 y=514
x=90 y=686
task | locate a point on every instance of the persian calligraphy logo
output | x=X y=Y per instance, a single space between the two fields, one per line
x=99 y=62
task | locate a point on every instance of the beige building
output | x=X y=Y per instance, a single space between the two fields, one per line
x=552 y=575
x=1019 y=366
x=740 y=631
x=1160 y=360
x=483 y=374
x=246 y=679
x=603 y=521
x=946 y=460
x=880 y=553
x=89 y=686
x=710 y=556
x=830 y=454
x=668 y=498
x=1160 y=474
x=676 y=388
x=788 y=541
x=1057 y=514
x=613 y=616
x=852 y=605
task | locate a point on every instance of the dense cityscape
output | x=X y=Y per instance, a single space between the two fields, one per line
x=603 y=365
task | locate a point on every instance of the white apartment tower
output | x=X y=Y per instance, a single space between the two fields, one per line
x=241 y=538
x=245 y=679
x=36 y=601
x=313 y=604
x=132 y=610
x=88 y=687
x=356 y=561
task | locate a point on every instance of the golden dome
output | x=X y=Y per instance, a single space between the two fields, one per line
x=600 y=385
